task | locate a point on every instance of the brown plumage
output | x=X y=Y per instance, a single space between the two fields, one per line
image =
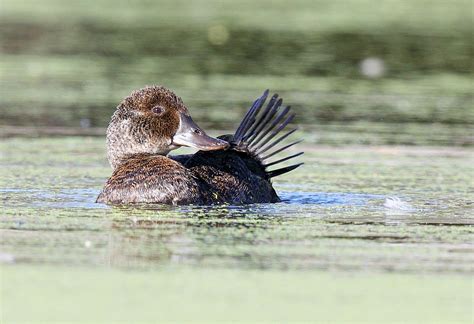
x=153 y=121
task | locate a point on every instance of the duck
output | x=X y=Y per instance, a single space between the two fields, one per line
x=230 y=169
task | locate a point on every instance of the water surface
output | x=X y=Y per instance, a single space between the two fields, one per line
x=375 y=214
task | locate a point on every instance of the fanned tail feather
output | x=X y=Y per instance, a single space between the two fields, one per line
x=259 y=128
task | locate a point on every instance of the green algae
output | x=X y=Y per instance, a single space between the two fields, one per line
x=203 y=295
x=332 y=245
x=336 y=200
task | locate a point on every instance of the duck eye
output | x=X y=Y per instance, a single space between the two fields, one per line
x=197 y=131
x=158 y=110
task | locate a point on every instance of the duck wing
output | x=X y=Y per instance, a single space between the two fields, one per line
x=240 y=174
x=263 y=131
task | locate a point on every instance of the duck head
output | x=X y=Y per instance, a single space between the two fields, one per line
x=154 y=120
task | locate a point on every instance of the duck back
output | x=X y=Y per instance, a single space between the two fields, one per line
x=234 y=177
x=240 y=174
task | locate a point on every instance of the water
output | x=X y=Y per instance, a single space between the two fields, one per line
x=379 y=208
x=363 y=218
x=71 y=74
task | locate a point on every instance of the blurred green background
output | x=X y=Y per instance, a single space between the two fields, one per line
x=355 y=71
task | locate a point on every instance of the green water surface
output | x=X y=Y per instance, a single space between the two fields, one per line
x=335 y=249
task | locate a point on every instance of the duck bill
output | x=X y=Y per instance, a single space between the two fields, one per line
x=191 y=135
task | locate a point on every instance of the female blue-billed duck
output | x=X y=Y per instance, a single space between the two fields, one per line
x=231 y=169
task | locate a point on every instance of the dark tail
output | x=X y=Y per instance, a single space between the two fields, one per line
x=262 y=130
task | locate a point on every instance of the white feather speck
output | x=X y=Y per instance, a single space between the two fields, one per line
x=396 y=203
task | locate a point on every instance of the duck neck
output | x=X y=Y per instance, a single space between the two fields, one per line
x=136 y=156
x=124 y=141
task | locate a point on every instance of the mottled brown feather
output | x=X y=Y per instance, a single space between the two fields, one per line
x=152 y=179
